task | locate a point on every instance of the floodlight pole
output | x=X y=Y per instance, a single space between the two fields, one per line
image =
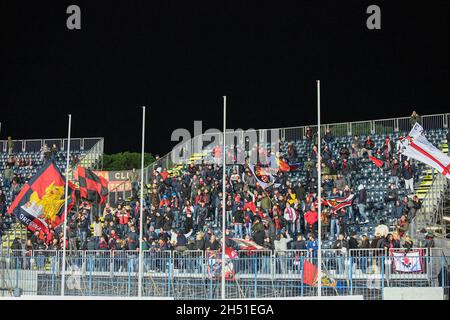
x=66 y=214
x=223 y=193
x=319 y=198
x=141 y=214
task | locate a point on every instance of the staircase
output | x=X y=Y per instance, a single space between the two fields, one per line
x=432 y=192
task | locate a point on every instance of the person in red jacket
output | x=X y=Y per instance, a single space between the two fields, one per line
x=123 y=216
x=311 y=218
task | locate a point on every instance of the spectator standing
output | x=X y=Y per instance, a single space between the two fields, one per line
x=415 y=118
x=408 y=176
x=281 y=248
x=10 y=145
x=98 y=232
x=341 y=245
x=362 y=201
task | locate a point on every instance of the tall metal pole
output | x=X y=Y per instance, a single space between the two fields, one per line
x=223 y=193
x=66 y=214
x=319 y=198
x=141 y=214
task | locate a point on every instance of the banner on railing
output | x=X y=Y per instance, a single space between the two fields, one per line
x=408 y=261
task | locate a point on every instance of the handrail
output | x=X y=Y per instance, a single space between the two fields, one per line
x=24 y=147
x=274 y=252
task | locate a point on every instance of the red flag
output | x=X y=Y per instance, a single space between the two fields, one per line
x=164 y=175
x=40 y=203
x=309 y=273
x=231 y=253
x=311 y=217
x=92 y=186
x=379 y=163
x=250 y=205
x=102 y=189
x=283 y=166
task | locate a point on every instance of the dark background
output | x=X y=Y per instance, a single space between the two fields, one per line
x=180 y=57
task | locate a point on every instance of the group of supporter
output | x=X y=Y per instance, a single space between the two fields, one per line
x=185 y=211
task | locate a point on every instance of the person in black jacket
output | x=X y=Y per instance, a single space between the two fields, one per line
x=72 y=235
x=408 y=176
x=299 y=244
x=212 y=244
x=202 y=214
x=83 y=227
x=353 y=241
x=167 y=220
x=444 y=278
x=238 y=221
x=342 y=246
x=362 y=201
x=258 y=233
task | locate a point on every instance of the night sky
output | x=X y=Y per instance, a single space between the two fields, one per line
x=180 y=57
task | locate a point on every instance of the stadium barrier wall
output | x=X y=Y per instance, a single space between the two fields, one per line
x=186 y=274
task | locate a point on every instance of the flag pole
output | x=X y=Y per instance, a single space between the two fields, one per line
x=223 y=193
x=319 y=198
x=66 y=215
x=141 y=214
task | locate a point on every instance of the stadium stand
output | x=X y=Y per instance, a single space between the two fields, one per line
x=182 y=218
x=26 y=158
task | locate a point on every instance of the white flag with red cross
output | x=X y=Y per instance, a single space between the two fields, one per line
x=417 y=146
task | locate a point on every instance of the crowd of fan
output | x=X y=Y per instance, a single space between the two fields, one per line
x=185 y=211
x=13 y=178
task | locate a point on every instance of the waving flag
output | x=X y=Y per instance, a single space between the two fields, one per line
x=284 y=165
x=40 y=203
x=417 y=146
x=92 y=186
x=264 y=178
x=378 y=162
x=337 y=203
x=231 y=253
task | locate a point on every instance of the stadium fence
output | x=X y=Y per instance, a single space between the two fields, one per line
x=197 y=274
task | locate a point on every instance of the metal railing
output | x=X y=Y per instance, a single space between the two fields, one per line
x=35 y=145
x=187 y=274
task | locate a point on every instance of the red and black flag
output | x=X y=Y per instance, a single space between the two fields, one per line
x=40 y=203
x=92 y=187
x=378 y=162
